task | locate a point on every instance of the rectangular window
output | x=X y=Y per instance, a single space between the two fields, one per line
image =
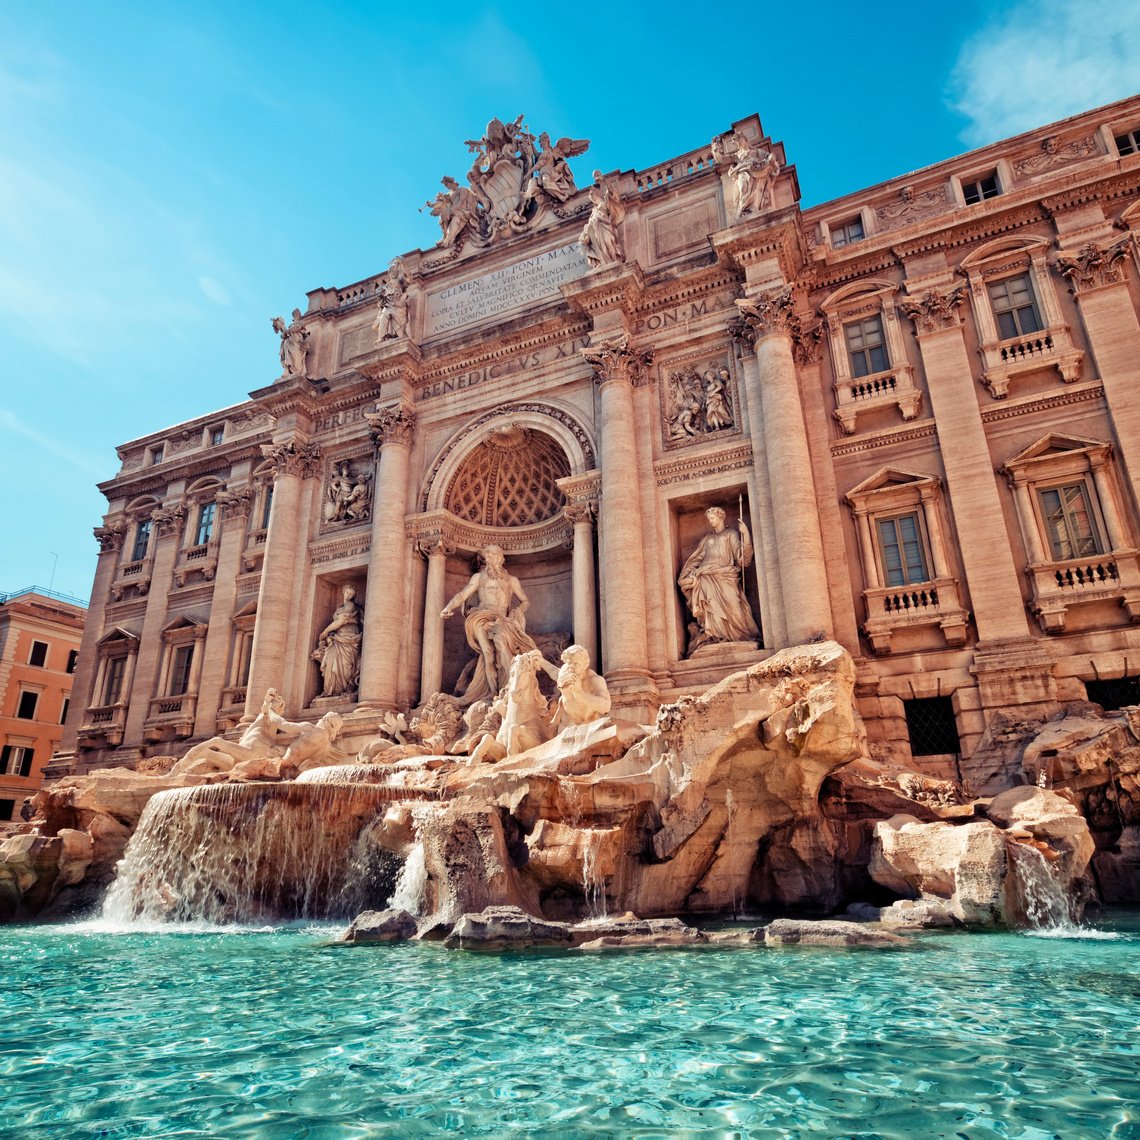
x=1129 y=142
x=205 y=523
x=930 y=726
x=216 y=436
x=38 y=655
x=27 y=707
x=1069 y=522
x=72 y=658
x=142 y=540
x=1015 y=307
x=113 y=685
x=245 y=655
x=267 y=506
x=865 y=347
x=1115 y=693
x=16 y=760
x=844 y=233
x=156 y=453
x=981 y=189
x=7 y=807
x=900 y=543
x=180 y=670
x=63 y=711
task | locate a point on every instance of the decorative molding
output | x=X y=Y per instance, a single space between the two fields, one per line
x=614 y=360
x=699 y=398
x=771 y=312
x=702 y=463
x=913 y=205
x=168 y=520
x=435 y=542
x=1075 y=394
x=1054 y=154
x=581 y=511
x=469 y=538
x=924 y=430
x=934 y=311
x=1093 y=265
x=236 y=503
x=110 y=537
x=293 y=458
x=394 y=425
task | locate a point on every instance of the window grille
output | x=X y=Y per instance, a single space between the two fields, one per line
x=1115 y=693
x=930 y=726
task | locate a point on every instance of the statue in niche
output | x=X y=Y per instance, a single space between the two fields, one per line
x=349 y=494
x=583 y=695
x=752 y=173
x=293 y=346
x=551 y=174
x=495 y=631
x=338 y=648
x=392 y=314
x=269 y=735
x=711 y=582
x=600 y=239
x=699 y=404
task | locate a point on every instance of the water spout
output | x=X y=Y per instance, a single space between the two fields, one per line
x=1041 y=896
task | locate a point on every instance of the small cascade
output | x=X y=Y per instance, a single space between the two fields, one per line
x=1041 y=895
x=593 y=883
x=411 y=886
x=239 y=853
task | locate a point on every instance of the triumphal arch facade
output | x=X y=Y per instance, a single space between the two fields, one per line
x=698 y=422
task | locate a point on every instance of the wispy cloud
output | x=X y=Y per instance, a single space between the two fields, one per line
x=1043 y=60
x=10 y=422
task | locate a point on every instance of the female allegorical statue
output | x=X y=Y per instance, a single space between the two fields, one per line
x=338 y=649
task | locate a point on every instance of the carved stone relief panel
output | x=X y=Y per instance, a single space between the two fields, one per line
x=699 y=398
x=347 y=493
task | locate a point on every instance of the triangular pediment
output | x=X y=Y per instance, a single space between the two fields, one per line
x=1054 y=444
x=184 y=622
x=887 y=477
x=119 y=634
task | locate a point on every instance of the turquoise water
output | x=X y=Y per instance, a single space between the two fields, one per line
x=277 y=1034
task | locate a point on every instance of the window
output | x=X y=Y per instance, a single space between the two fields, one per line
x=901 y=549
x=930 y=726
x=7 y=807
x=38 y=655
x=72 y=658
x=844 y=233
x=1069 y=521
x=865 y=347
x=1129 y=142
x=63 y=711
x=1015 y=307
x=16 y=760
x=981 y=188
x=267 y=506
x=142 y=540
x=113 y=682
x=156 y=453
x=205 y=523
x=1116 y=693
x=217 y=435
x=180 y=670
x=27 y=707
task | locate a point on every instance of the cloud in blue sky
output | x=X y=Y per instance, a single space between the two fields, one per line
x=1044 y=60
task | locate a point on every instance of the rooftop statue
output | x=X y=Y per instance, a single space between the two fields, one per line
x=392 y=313
x=512 y=175
x=752 y=172
x=293 y=346
x=600 y=238
x=710 y=581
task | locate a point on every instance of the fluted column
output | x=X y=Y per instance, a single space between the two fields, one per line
x=581 y=515
x=436 y=549
x=234 y=506
x=625 y=649
x=392 y=429
x=168 y=525
x=294 y=461
x=772 y=320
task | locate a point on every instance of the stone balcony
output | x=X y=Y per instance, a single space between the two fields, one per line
x=170 y=718
x=103 y=725
x=892 y=609
x=1005 y=359
x=1057 y=586
x=133 y=576
x=890 y=389
x=197 y=563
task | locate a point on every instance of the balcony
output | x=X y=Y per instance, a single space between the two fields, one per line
x=1057 y=586
x=133 y=577
x=890 y=389
x=891 y=609
x=1006 y=359
x=103 y=726
x=170 y=718
x=197 y=563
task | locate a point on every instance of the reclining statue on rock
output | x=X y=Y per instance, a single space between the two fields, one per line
x=314 y=748
x=269 y=735
x=583 y=695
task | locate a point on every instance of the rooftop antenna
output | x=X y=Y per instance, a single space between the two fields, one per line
x=55 y=563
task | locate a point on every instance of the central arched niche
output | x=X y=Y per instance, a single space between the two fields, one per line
x=502 y=488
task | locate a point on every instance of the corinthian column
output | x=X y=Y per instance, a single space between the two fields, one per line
x=392 y=429
x=625 y=652
x=581 y=514
x=294 y=461
x=770 y=320
x=436 y=549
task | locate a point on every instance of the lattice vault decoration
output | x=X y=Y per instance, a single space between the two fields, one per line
x=509 y=479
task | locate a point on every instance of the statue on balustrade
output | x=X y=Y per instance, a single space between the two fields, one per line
x=338 y=648
x=495 y=630
x=392 y=312
x=752 y=173
x=711 y=580
x=293 y=346
x=600 y=239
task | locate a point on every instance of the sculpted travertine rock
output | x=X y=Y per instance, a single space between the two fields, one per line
x=338 y=648
x=495 y=629
x=711 y=582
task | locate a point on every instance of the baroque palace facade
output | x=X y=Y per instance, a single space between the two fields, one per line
x=921 y=400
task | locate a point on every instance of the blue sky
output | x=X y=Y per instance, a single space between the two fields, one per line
x=174 y=175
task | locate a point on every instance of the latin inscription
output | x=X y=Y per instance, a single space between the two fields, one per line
x=340 y=419
x=508 y=288
x=669 y=317
x=501 y=368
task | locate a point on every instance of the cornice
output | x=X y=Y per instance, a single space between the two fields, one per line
x=924 y=430
x=1070 y=394
x=702 y=461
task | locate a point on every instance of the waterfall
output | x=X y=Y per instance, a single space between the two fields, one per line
x=593 y=884
x=411 y=885
x=1041 y=895
x=236 y=853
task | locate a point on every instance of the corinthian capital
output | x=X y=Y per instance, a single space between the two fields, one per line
x=933 y=311
x=168 y=519
x=293 y=458
x=235 y=503
x=615 y=360
x=1092 y=265
x=771 y=312
x=396 y=424
x=581 y=511
x=435 y=542
x=110 y=537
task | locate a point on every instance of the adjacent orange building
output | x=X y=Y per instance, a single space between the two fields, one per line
x=39 y=645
